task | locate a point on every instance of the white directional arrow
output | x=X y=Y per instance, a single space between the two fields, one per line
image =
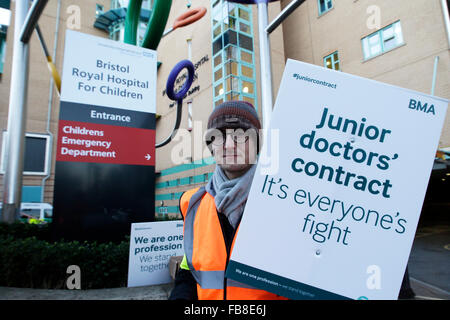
x=148 y=157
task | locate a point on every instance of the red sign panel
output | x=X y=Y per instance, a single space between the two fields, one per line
x=99 y=143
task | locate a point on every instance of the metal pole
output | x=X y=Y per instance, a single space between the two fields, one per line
x=50 y=103
x=294 y=4
x=433 y=84
x=265 y=64
x=41 y=40
x=15 y=143
x=446 y=19
x=31 y=19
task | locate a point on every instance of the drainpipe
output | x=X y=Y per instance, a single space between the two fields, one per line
x=433 y=84
x=265 y=64
x=50 y=102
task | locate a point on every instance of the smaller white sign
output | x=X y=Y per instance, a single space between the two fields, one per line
x=151 y=246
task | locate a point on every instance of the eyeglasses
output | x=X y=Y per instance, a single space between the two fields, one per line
x=218 y=136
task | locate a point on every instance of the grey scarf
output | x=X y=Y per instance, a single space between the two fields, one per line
x=230 y=196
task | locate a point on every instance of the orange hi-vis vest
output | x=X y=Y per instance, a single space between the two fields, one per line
x=206 y=252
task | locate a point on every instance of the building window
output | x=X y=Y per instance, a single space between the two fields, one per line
x=98 y=10
x=232 y=37
x=115 y=4
x=332 y=61
x=382 y=41
x=146 y=4
x=5 y=13
x=5 y=19
x=142 y=27
x=324 y=6
x=2 y=51
x=117 y=30
x=36 y=154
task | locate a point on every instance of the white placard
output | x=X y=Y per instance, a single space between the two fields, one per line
x=109 y=73
x=334 y=213
x=151 y=246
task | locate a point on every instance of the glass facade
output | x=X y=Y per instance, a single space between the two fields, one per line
x=233 y=53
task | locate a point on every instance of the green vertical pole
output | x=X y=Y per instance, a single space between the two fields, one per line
x=157 y=23
x=132 y=21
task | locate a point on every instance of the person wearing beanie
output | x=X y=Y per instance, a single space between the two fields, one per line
x=237 y=121
x=212 y=213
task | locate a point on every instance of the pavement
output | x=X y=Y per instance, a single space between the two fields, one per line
x=157 y=292
x=429 y=262
x=425 y=291
x=422 y=290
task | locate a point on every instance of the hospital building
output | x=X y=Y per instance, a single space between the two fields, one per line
x=404 y=43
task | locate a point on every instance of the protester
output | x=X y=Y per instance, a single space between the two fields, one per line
x=212 y=213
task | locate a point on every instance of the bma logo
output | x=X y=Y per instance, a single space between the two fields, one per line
x=417 y=105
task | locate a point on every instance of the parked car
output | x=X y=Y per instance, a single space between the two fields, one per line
x=35 y=212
